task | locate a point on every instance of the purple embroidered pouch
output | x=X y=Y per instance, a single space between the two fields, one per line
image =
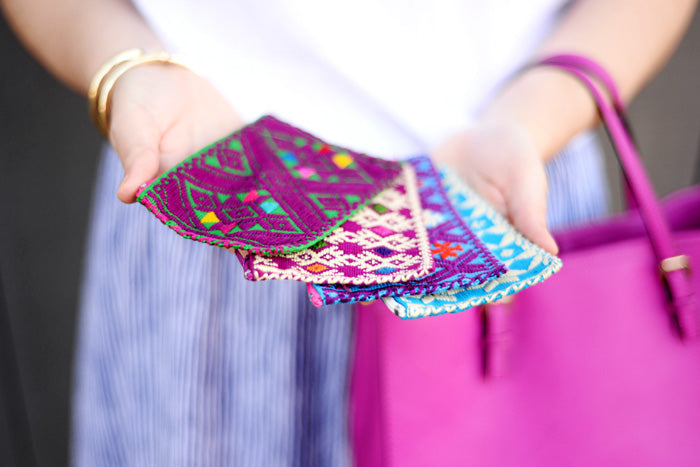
x=461 y=259
x=386 y=241
x=269 y=187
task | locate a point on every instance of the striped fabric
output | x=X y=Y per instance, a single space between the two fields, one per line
x=182 y=362
x=578 y=189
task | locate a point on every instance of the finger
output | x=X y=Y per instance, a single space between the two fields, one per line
x=136 y=141
x=526 y=201
x=142 y=168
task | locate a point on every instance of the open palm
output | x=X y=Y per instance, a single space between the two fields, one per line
x=161 y=114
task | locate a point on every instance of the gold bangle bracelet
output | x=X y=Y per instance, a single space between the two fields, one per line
x=105 y=89
x=99 y=76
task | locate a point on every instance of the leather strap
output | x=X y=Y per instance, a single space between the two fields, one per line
x=683 y=300
x=496 y=339
x=591 y=68
x=604 y=78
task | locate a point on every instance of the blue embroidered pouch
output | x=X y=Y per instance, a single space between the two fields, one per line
x=526 y=263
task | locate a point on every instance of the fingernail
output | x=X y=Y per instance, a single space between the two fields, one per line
x=555 y=248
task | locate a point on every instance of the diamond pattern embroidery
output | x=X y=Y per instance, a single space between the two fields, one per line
x=384 y=251
x=343 y=160
x=379 y=208
x=461 y=259
x=527 y=263
x=306 y=172
x=316 y=267
x=288 y=157
x=382 y=231
x=269 y=205
x=210 y=218
x=239 y=178
x=363 y=250
x=251 y=196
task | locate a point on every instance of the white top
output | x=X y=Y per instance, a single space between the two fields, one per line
x=390 y=77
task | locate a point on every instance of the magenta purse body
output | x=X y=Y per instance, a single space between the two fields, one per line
x=597 y=366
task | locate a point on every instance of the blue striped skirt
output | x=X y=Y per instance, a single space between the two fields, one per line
x=180 y=361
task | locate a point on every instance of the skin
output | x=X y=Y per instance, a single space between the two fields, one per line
x=502 y=155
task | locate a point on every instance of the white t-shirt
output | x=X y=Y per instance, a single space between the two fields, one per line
x=388 y=77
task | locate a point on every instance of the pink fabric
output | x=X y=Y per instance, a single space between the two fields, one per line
x=683 y=300
x=595 y=376
x=594 y=371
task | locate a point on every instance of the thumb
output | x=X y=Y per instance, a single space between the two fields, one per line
x=140 y=167
x=136 y=141
x=526 y=202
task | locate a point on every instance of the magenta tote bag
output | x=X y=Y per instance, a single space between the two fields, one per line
x=598 y=366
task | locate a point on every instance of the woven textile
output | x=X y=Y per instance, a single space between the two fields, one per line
x=460 y=258
x=527 y=263
x=386 y=241
x=269 y=187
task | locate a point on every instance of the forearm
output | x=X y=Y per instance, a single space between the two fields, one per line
x=630 y=38
x=73 y=38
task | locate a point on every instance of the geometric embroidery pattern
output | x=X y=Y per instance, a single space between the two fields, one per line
x=385 y=241
x=268 y=187
x=527 y=263
x=461 y=259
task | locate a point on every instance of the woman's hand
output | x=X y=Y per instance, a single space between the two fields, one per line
x=160 y=114
x=498 y=159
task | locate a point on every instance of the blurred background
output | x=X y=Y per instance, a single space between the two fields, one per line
x=48 y=153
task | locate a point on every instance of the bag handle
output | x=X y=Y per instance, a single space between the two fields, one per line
x=673 y=266
x=592 y=68
x=604 y=78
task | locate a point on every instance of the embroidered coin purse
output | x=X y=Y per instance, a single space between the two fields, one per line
x=269 y=188
x=527 y=263
x=461 y=259
x=386 y=241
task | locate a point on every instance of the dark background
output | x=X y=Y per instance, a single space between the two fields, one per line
x=48 y=152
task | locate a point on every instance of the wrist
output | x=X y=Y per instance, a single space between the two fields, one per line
x=549 y=105
x=105 y=79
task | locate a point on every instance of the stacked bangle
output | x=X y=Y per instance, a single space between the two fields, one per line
x=106 y=77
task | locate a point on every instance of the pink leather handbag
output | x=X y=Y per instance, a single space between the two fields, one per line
x=597 y=366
